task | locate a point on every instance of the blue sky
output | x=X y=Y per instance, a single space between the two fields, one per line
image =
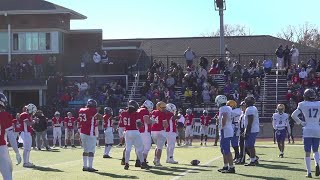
x=121 y=19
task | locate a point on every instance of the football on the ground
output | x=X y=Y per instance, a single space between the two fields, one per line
x=195 y=162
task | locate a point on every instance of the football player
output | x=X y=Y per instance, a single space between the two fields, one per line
x=132 y=123
x=310 y=109
x=108 y=131
x=6 y=128
x=236 y=112
x=57 y=123
x=242 y=154
x=171 y=131
x=145 y=130
x=252 y=129
x=88 y=117
x=205 y=120
x=159 y=124
x=69 y=123
x=120 y=128
x=26 y=127
x=280 y=121
x=189 y=122
x=226 y=133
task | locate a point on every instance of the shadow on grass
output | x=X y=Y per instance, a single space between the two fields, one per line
x=204 y=166
x=260 y=177
x=116 y=175
x=282 y=167
x=162 y=171
x=46 y=169
x=281 y=162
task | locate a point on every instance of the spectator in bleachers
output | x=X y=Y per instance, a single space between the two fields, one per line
x=286 y=57
x=204 y=63
x=267 y=66
x=188 y=95
x=206 y=96
x=170 y=82
x=294 y=55
x=189 y=55
x=303 y=74
x=214 y=68
x=280 y=54
x=38 y=63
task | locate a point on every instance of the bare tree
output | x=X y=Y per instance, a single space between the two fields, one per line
x=305 y=34
x=231 y=30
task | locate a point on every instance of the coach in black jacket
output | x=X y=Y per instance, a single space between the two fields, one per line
x=40 y=127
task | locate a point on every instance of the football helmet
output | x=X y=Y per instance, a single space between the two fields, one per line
x=133 y=105
x=249 y=100
x=31 y=109
x=161 y=106
x=148 y=104
x=57 y=113
x=188 y=111
x=92 y=103
x=3 y=100
x=309 y=95
x=171 y=108
x=281 y=108
x=232 y=104
x=108 y=110
x=220 y=100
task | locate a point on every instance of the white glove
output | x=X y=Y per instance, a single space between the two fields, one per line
x=303 y=123
x=18 y=158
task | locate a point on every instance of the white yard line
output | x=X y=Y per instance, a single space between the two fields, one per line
x=190 y=170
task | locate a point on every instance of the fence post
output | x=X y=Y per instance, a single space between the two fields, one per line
x=167 y=62
x=239 y=58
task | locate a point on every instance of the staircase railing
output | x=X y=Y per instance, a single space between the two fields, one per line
x=277 y=80
x=264 y=95
x=134 y=86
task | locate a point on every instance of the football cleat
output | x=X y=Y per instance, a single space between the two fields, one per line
x=230 y=170
x=195 y=162
x=123 y=161
x=156 y=163
x=107 y=156
x=280 y=155
x=85 y=169
x=126 y=167
x=137 y=164
x=223 y=169
x=251 y=164
x=144 y=165
x=73 y=146
x=92 y=170
x=28 y=165
x=309 y=175
x=317 y=170
x=65 y=146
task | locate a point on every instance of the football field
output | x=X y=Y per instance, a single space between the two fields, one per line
x=67 y=164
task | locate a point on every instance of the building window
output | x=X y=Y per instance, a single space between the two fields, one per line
x=32 y=41
x=3 y=42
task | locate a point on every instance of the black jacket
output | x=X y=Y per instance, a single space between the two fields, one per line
x=40 y=125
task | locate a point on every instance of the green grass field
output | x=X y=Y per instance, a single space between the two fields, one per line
x=67 y=164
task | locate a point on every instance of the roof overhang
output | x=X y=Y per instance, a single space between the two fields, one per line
x=73 y=14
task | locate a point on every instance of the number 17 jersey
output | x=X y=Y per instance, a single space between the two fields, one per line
x=311 y=113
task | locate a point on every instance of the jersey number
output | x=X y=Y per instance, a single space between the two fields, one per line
x=315 y=113
x=83 y=117
x=126 y=121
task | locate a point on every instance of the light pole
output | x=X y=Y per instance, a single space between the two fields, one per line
x=9 y=37
x=220 y=5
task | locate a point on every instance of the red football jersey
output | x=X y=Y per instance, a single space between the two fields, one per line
x=23 y=118
x=130 y=120
x=172 y=122
x=56 y=121
x=205 y=120
x=5 y=123
x=158 y=117
x=88 y=120
x=16 y=125
x=145 y=127
x=69 y=122
x=189 y=118
x=107 y=119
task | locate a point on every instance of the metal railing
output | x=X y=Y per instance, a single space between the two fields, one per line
x=134 y=86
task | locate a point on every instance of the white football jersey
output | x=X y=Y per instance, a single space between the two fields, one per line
x=228 y=130
x=252 y=110
x=311 y=114
x=280 y=121
x=235 y=116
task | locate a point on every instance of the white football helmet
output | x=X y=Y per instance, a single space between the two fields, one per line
x=171 y=108
x=148 y=104
x=31 y=109
x=121 y=110
x=221 y=99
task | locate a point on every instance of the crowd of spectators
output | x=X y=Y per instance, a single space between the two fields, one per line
x=300 y=77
